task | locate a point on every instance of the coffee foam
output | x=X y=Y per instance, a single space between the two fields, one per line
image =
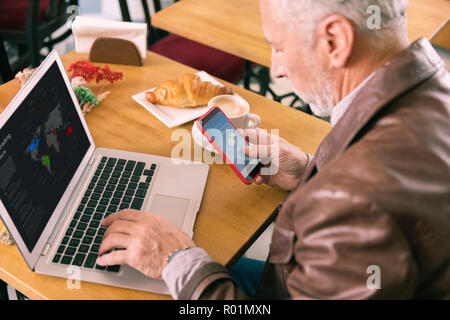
x=231 y=107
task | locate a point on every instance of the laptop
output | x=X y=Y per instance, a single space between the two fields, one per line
x=56 y=186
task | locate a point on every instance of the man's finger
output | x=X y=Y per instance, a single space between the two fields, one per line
x=259 y=180
x=114 y=240
x=256 y=136
x=127 y=214
x=258 y=151
x=113 y=258
x=121 y=226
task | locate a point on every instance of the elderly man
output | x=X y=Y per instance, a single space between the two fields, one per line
x=369 y=216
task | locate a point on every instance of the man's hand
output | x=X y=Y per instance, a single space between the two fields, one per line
x=147 y=239
x=290 y=160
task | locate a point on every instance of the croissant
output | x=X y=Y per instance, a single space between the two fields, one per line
x=188 y=91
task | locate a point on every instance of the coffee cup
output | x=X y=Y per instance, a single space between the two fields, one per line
x=237 y=110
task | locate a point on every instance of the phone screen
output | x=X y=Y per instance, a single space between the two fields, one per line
x=228 y=139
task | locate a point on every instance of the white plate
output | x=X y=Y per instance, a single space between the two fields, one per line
x=173 y=117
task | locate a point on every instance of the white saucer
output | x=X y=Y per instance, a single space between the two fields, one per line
x=200 y=139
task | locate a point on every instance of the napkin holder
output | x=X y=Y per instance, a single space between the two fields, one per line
x=116 y=51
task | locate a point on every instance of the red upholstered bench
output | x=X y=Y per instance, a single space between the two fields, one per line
x=196 y=55
x=13 y=13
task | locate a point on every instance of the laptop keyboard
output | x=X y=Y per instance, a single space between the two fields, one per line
x=117 y=184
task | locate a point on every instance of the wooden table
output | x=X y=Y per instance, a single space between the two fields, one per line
x=231 y=214
x=235 y=26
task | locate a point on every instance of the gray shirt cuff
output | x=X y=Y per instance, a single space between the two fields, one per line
x=177 y=273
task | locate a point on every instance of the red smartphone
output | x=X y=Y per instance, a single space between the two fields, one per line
x=223 y=135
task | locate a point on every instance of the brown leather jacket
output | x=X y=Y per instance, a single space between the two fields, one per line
x=377 y=194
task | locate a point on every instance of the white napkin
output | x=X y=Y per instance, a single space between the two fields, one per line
x=86 y=30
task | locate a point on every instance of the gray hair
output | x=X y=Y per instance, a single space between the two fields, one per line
x=392 y=18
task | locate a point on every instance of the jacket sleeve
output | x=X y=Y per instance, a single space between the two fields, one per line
x=192 y=274
x=345 y=246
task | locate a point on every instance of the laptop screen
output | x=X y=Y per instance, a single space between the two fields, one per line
x=41 y=146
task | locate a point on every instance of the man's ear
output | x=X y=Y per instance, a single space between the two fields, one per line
x=336 y=35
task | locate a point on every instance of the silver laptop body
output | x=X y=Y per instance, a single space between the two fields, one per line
x=44 y=195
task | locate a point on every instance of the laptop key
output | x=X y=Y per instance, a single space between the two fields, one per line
x=79 y=259
x=100 y=267
x=97 y=216
x=101 y=231
x=92 y=203
x=66 y=260
x=87 y=240
x=111 y=162
x=83 y=248
x=70 y=251
x=74 y=242
x=65 y=240
x=115 y=268
x=85 y=218
x=91 y=232
x=94 y=224
x=61 y=249
x=99 y=189
x=78 y=234
x=141 y=193
x=121 y=187
x=82 y=226
x=69 y=231
x=143 y=185
x=56 y=258
x=105 y=176
x=107 y=194
x=137 y=203
x=130 y=165
x=90 y=260
x=115 y=174
x=98 y=239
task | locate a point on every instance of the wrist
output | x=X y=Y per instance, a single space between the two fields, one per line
x=175 y=252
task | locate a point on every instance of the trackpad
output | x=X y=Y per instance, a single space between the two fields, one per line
x=172 y=208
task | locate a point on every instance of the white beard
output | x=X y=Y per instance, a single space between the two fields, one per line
x=320 y=99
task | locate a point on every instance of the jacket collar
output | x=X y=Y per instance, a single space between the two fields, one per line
x=410 y=67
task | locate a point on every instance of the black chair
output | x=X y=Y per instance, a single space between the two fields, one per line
x=36 y=30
